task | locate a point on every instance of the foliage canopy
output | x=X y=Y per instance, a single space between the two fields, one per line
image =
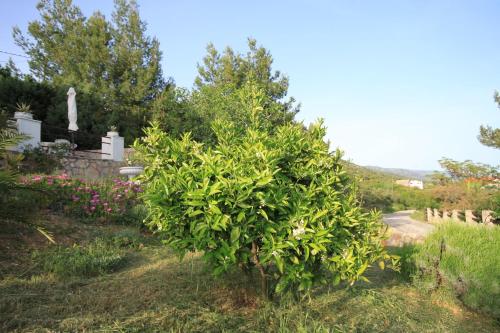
x=275 y=200
x=468 y=169
x=114 y=61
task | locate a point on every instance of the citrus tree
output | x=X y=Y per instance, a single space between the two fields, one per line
x=278 y=201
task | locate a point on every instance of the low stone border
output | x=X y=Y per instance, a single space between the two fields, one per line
x=467 y=216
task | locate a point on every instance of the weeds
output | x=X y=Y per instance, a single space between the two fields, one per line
x=97 y=258
x=465 y=259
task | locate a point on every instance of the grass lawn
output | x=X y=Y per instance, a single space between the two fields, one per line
x=153 y=292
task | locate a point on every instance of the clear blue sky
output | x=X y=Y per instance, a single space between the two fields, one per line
x=399 y=83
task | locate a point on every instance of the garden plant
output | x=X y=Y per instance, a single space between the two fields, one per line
x=273 y=198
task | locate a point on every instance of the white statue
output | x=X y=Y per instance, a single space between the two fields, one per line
x=72 y=109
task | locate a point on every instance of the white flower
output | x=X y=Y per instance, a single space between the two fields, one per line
x=298 y=231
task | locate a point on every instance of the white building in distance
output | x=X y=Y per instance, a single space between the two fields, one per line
x=411 y=183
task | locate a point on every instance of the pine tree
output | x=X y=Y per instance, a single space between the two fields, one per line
x=113 y=61
x=488 y=135
x=231 y=71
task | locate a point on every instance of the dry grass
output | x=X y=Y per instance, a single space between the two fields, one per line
x=157 y=293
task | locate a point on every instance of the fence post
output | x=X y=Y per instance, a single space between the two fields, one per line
x=113 y=147
x=487 y=217
x=429 y=215
x=469 y=216
x=437 y=218
x=454 y=215
x=446 y=215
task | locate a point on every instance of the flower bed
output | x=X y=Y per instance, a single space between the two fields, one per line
x=105 y=200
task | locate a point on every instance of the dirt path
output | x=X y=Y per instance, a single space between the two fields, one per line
x=404 y=229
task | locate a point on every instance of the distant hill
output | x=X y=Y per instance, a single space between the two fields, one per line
x=403 y=173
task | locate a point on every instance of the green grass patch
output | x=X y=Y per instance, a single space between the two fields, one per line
x=96 y=258
x=418 y=215
x=466 y=259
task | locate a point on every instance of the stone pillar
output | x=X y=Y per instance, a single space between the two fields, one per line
x=454 y=215
x=113 y=147
x=446 y=215
x=469 y=217
x=487 y=217
x=436 y=215
x=30 y=127
x=428 y=215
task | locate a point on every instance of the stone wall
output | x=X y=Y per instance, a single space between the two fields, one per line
x=90 y=168
x=90 y=165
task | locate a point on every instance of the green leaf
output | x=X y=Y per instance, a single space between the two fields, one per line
x=281 y=285
x=306 y=252
x=279 y=263
x=264 y=214
x=195 y=203
x=243 y=205
x=381 y=264
x=320 y=214
x=362 y=268
x=215 y=209
x=235 y=234
x=214 y=189
x=241 y=216
x=264 y=181
x=195 y=213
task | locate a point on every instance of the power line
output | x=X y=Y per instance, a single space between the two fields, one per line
x=14 y=54
x=12 y=60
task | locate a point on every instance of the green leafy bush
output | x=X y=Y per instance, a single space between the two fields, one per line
x=37 y=161
x=98 y=257
x=275 y=200
x=464 y=258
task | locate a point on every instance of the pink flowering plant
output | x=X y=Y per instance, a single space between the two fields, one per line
x=106 y=201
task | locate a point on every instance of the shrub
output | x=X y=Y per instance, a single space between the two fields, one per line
x=465 y=195
x=465 y=258
x=275 y=200
x=37 y=161
x=98 y=257
x=107 y=200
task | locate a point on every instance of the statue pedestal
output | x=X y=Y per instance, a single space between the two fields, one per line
x=30 y=127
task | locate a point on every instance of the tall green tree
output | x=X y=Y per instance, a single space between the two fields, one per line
x=112 y=60
x=229 y=71
x=468 y=169
x=488 y=135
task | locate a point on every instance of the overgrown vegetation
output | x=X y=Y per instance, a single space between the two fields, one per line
x=463 y=258
x=105 y=200
x=378 y=190
x=152 y=291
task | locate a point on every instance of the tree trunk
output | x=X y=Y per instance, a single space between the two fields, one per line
x=263 y=275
